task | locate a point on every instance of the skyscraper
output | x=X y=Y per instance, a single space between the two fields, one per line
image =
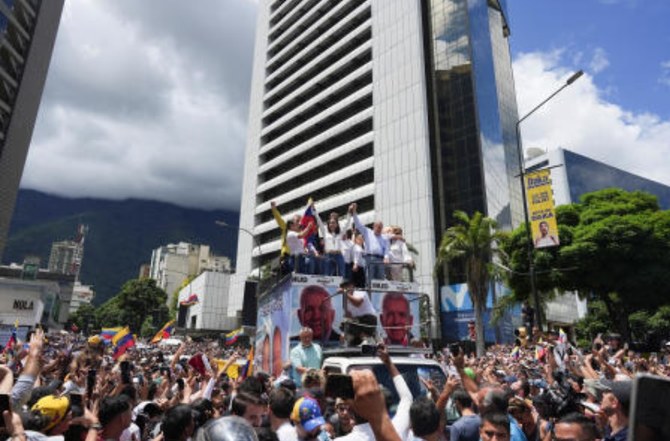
x=27 y=35
x=406 y=107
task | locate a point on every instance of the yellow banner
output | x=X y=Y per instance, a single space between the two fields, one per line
x=541 y=209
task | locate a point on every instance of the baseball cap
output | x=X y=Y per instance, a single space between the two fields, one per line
x=53 y=407
x=306 y=411
x=621 y=390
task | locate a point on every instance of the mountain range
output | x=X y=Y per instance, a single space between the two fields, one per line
x=121 y=234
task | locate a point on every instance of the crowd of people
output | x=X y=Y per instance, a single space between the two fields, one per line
x=342 y=247
x=68 y=388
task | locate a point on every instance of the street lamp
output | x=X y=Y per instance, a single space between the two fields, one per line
x=531 y=265
x=253 y=236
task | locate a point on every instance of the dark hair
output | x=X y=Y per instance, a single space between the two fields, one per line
x=588 y=426
x=495 y=401
x=281 y=402
x=175 y=420
x=36 y=421
x=252 y=386
x=130 y=392
x=241 y=401
x=424 y=417
x=111 y=407
x=203 y=410
x=498 y=419
x=461 y=397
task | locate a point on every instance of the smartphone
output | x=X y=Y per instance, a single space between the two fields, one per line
x=90 y=381
x=4 y=405
x=339 y=386
x=125 y=372
x=370 y=350
x=77 y=405
x=180 y=383
x=648 y=409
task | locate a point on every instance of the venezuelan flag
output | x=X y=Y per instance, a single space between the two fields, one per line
x=232 y=336
x=165 y=332
x=122 y=341
x=516 y=352
x=248 y=368
x=12 y=338
x=109 y=333
x=190 y=301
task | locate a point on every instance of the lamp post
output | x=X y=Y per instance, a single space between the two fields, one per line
x=522 y=175
x=253 y=236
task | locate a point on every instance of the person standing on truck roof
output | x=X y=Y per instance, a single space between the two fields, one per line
x=306 y=355
x=376 y=245
x=285 y=250
x=316 y=312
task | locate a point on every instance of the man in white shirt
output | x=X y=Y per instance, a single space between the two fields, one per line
x=363 y=316
x=376 y=245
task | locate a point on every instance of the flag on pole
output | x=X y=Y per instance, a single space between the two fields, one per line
x=248 y=368
x=190 y=301
x=308 y=223
x=108 y=334
x=232 y=336
x=122 y=341
x=12 y=338
x=516 y=352
x=165 y=332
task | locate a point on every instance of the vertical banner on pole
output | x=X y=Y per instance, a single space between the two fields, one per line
x=541 y=209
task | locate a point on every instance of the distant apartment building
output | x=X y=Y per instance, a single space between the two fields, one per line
x=67 y=255
x=81 y=295
x=27 y=34
x=203 y=303
x=172 y=264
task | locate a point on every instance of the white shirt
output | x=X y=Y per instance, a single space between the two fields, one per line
x=287 y=432
x=333 y=242
x=132 y=433
x=400 y=420
x=360 y=432
x=294 y=243
x=375 y=245
x=348 y=250
x=365 y=308
x=357 y=256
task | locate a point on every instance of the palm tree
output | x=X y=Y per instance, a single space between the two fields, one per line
x=471 y=242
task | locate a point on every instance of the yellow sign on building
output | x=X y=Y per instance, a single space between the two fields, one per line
x=541 y=209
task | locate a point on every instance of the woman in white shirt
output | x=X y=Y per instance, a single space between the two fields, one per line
x=399 y=255
x=333 y=237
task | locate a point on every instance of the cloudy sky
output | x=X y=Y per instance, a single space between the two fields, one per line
x=148 y=99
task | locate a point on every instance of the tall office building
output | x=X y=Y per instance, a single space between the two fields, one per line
x=27 y=35
x=406 y=107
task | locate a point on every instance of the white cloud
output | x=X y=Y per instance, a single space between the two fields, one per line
x=582 y=120
x=599 y=62
x=665 y=73
x=146 y=102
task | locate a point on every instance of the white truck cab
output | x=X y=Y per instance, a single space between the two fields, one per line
x=411 y=368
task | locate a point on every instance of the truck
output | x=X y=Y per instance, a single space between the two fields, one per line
x=300 y=300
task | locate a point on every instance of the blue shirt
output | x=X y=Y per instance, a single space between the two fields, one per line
x=466 y=428
x=307 y=357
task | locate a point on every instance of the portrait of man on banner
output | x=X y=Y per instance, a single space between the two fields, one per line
x=541 y=209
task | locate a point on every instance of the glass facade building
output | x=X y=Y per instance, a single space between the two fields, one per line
x=406 y=107
x=27 y=35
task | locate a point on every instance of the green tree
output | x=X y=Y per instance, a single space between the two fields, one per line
x=137 y=300
x=85 y=318
x=471 y=243
x=148 y=329
x=615 y=248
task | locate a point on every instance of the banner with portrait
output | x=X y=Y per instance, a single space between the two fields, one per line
x=541 y=209
x=272 y=328
x=316 y=304
x=398 y=316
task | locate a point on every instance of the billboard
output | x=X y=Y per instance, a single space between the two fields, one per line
x=541 y=209
x=457 y=311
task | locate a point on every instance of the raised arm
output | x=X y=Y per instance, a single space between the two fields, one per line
x=277 y=215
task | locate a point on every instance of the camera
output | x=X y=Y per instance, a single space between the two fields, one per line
x=370 y=350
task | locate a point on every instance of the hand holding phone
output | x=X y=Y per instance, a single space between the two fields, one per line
x=339 y=386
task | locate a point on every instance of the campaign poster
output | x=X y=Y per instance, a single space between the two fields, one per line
x=316 y=304
x=541 y=209
x=398 y=316
x=272 y=328
x=457 y=312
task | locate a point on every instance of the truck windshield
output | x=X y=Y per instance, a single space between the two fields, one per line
x=411 y=373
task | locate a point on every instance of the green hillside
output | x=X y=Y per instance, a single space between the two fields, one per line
x=121 y=234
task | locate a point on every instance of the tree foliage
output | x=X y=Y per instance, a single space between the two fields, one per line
x=137 y=300
x=615 y=247
x=472 y=243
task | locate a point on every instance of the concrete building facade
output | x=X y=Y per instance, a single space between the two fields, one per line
x=210 y=312
x=405 y=107
x=27 y=34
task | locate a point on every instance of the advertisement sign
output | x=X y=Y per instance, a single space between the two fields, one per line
x=272 y=329
x=541 y=209
x=457 y=311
